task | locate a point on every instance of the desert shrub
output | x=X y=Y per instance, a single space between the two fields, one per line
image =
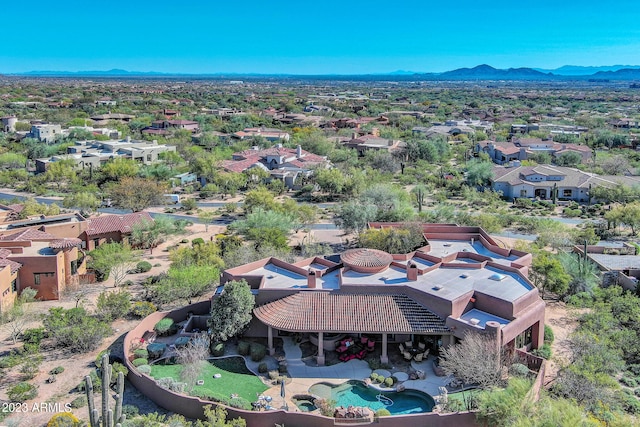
x=629 y=382
x=143 y=267
x=33 y=336
x=197 y=241
x=263 y=368
x=243 y=348
x=544 y=351
x=383 y=413
x=31 y=367
x=57 y=370
x=140 y=361
x=144 y=369
x=637 y=392
x=10 y=360
x=130 y=411
x=141 y=352
x=217 y=349
x=113 y=305
x=374 y=377
x=548 y=334
x=171 y=384
x=79 y=402
x=519 y=370
x=388 y=381
x=258 y=352
x=64 y=419
x=327 y=407
x=75 y=329
x=115 y=368
x=165 y=326
x=21 y=392
x=273 y=375
x=156 y=350
x=282 y=369
x=28 y=349
x=142 y=309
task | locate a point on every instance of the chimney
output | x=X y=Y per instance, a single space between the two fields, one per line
x=311 y=279
x=299 y=151
x=412 y=271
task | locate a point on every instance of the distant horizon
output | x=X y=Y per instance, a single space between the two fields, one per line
x=217 y=73
x=296 y=38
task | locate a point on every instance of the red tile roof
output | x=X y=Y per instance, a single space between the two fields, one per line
x=15 y=266
x=335 y=312
x=112 y=223
x=29 y=234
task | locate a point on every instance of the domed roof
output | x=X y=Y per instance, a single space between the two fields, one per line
x=366 y=260
x=66 y=243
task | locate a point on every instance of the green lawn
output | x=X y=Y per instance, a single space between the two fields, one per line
x=235 y=378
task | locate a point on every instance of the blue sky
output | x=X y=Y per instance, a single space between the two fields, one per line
x=315 y=37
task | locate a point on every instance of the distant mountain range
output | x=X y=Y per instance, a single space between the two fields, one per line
x=480 y=72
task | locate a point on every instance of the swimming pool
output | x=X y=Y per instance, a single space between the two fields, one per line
x=355 y=393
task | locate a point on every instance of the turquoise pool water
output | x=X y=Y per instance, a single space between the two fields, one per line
x=355 y=393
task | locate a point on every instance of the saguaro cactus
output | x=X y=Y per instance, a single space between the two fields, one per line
x=108 y=418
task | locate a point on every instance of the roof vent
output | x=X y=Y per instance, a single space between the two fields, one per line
x=497 y=277
x=474 y=321
x=437 y=287
x=464 y=276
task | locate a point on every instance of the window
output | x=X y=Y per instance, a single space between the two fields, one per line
x=525 y=338
x=96 y=243
x=523 y=193
x=14 y=285
x=567 y=192
x=38 y=276
x=74 y=266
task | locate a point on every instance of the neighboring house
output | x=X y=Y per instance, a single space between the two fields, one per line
x=373 y=141
x=618 y=262
x=460 y=281
x=523 y=148
x=47 y=263
x=94 y=154
x=163 y=127
x=8 y=280
x=103 y=119
x=223 y=112
x=9 y=123
x=111 y=133
x=539 y=182
x=286 y=164
x=46 y=133
x=271 y=135
x=111 y=228
x=106 y=101
x=186 y=178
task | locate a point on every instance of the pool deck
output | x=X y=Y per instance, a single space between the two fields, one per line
x=303 y=376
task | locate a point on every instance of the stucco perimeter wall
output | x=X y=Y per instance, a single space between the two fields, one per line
x=193 y=407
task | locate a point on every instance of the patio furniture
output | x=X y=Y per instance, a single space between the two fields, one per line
x=408 y=344
x=422 y=346
x=407 y=355
x=418 y=357
x=401 y=348
x=371 y=345
x=364 y=340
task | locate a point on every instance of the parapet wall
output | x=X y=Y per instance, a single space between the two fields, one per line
x=193 y=407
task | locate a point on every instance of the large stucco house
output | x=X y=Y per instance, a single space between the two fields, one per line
x=461 y=280
x=539 y=182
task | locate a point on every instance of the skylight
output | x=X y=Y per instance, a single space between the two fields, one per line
x=497 y=277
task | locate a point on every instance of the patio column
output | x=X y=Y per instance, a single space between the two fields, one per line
x=384 y=358
x=272 y=350
x=320 y=349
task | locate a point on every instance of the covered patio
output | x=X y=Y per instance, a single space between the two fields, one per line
x=372 y=315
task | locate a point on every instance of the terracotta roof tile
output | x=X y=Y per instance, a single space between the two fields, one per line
x=336 y=312
x=29 y=234
x=111 y=223
x=15 y=266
